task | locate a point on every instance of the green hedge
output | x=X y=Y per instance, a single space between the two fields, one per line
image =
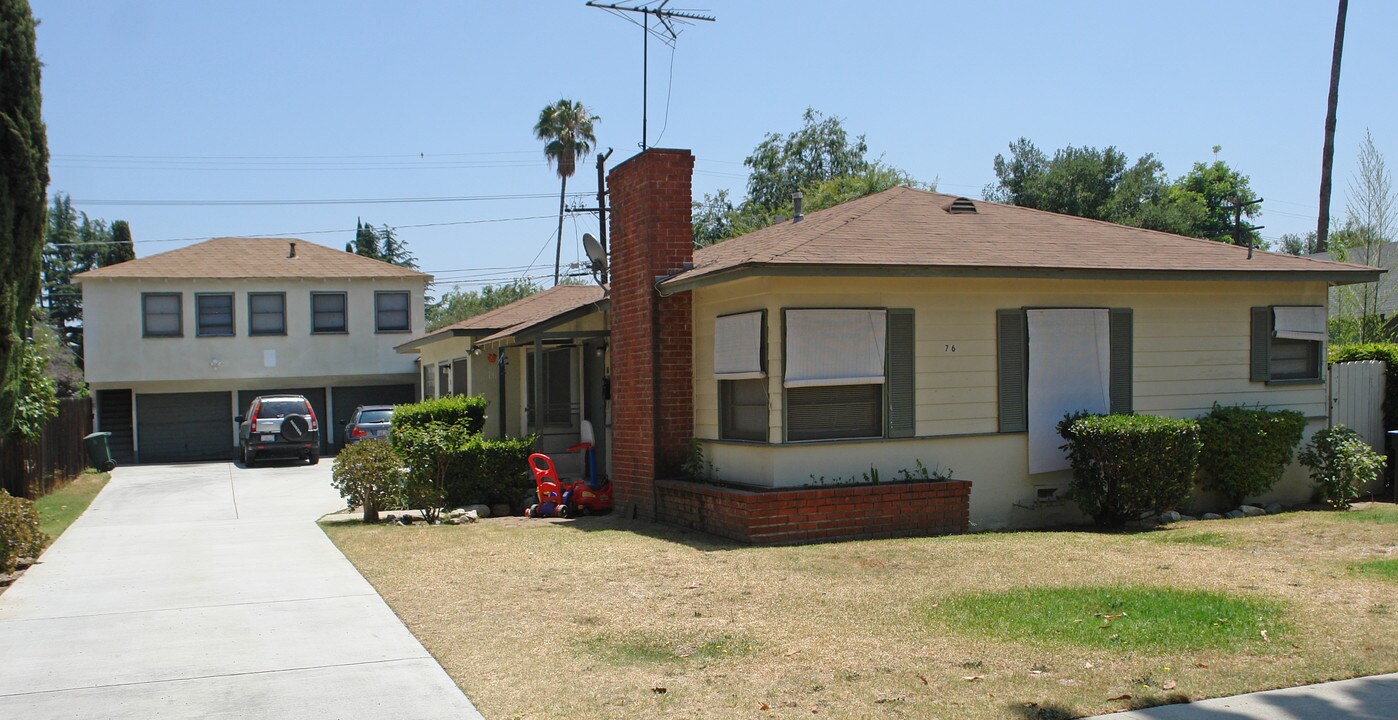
x=19 y=531
x=489 y=471
x=466 y=412
x=1246 y=450
x=1126 y=464
x=1387 y=352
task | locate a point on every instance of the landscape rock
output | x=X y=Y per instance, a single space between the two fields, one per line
x=482 y=511
x=1169 y=516
x=450 y=521
x=1234 y=514
x=456 y=513
x=1251 y=510
x=470 y=517
x=500 y=509
x=1146 y=514
x=1188 y=517
x=1211 y=516
x=390 y=518
x=1273 y=508
x=406 y=520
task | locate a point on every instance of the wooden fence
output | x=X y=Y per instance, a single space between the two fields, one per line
x=1356 y=399
x=31 y=468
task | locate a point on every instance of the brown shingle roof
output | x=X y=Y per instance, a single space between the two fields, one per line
x=904 y=228
x=253 y=258
x=518 y=316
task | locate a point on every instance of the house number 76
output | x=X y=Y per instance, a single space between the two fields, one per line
x=949 y=348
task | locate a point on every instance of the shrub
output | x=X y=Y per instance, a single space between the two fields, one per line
x=1123 y=464
x=369 y=473
x=428 y=450
x=1341 y=463
x=1246 y=450
x=490 y=471
x=466 y=412
x=19 y=531
x=1388 y=353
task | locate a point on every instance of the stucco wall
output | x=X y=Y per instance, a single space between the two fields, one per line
x=118 y=356
x=1191 y=348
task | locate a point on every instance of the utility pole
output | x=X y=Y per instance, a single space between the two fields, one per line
x=668 y=20
x=1327 y=154
x=1242 y=234
x=602 y=206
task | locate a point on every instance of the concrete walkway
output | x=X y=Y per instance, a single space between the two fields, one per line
x=207 y=591
x=1366 y=698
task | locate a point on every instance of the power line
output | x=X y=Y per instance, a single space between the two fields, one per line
x=309 y=232
x=327 y=201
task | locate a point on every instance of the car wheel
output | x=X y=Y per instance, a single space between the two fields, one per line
x=249 y=457
x=313 y=459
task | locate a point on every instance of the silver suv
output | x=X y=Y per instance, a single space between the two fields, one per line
x=279 y=425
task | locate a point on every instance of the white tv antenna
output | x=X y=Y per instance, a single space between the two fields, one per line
x=597 y=257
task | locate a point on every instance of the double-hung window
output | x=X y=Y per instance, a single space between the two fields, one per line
x=267 y=313
x=328 y=312
x=213 y=314
x=391 y=312
x=849 y=373
x=740 y=368
x=161 y=315
x=1288 y=343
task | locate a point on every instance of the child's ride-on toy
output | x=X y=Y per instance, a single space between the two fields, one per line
x=564 y=498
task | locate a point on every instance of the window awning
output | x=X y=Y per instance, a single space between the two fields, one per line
x=738 y=347
x=1299 y=323
x=835 y=347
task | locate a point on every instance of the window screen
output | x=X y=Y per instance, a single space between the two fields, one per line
x=558 y=384
x=391 y=312
x=1295 y=359
x=161 y=315
x=743 y=409
x=215 y=314
x=834 y=411
x=266 y=314
x=328 y=313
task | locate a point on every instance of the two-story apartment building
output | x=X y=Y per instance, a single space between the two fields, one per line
x=178 y=344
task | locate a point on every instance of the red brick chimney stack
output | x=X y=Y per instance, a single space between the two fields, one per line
x=651 y=336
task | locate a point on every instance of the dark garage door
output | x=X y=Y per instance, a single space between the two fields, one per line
x=348 y=398
x=315 y=395
x=184 y=427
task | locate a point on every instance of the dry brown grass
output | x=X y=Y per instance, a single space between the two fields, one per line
x=591 y=618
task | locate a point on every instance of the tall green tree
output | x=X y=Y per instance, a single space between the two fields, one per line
x=566 y=128
x=1370 y=229
x=819 y=159
x=24 y=179
x=458 y=304
x=381 y=243
x=73 y=243
x=122 y=247
x=1100 y=184
x=366 y=241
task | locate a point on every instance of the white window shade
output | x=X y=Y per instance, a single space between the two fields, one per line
x=835 y=347
x=1299 y=323
x=738 y=347
x=1069 y=370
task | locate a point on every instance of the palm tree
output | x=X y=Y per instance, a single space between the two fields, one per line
x=1327 y=155
x=566 y=129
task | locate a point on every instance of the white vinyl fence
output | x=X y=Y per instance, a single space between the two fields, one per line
x=1356 y=399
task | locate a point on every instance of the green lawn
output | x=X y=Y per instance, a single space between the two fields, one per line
x=1382 y=569
x=60 y=508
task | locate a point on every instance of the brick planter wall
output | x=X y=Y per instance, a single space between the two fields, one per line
x=814 y=514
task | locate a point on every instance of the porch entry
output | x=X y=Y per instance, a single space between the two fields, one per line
x=572 y=389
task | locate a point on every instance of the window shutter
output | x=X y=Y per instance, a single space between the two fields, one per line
x=1012 y=354
x=1121 y=347
x=1261 y=344
x=902 y=376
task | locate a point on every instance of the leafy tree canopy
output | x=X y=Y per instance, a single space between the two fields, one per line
x=1101 y=184
x=381 y=243
x=820 y=160
x=75 y=243
x=458 y=304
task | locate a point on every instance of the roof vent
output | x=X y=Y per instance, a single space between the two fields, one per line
x=292 y=252
x=961 y=206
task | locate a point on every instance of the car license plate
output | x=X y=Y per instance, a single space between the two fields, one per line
x=269 y=438
x=380 y=433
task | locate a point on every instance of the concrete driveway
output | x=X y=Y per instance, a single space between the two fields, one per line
x=207 y=591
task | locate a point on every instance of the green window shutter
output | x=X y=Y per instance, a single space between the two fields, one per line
x=902 y=375
x=1012 y=353
x=1261 y=344
x=1121 y=346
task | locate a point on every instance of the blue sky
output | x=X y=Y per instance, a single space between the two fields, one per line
x=293 y=101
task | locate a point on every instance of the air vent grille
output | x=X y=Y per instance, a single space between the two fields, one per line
x=961 y=205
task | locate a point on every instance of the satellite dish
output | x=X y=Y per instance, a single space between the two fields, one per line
x=595 y=253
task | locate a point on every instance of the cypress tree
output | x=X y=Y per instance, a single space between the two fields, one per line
x=121 y=248
x=24 y=179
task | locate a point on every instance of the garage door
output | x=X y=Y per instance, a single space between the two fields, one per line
x=184 y=427
x=348 y=398
x=315 y=395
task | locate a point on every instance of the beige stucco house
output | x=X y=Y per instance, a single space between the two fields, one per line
x=179 y=343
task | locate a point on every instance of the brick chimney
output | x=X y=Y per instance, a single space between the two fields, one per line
x=651 y=336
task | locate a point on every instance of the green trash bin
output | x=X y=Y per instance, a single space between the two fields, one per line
x=98 y=451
